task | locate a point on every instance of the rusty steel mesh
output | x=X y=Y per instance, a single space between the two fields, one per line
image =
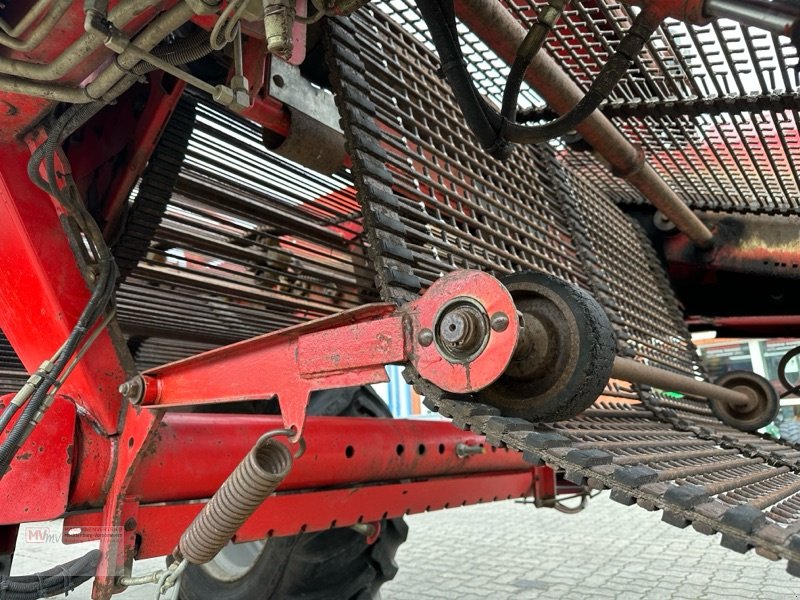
x=714 y=107
x=462 y=208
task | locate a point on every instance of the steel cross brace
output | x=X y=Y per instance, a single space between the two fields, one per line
x=351 y=348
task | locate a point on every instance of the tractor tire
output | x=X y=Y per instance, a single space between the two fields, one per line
x=327 y=565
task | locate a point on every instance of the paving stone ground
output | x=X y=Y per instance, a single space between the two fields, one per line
x=512 y=551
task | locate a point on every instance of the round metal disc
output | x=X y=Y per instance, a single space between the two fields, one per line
x=759 y=413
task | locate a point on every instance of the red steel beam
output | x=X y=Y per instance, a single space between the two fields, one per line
x=493 y=24
x=159 y=527
x=197 y=451
x=43 y=292
x=350 y=348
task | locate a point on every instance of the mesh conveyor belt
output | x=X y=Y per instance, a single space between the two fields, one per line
x=247 y=244
x=12 y=373
x=714 y=107
x=665 y=452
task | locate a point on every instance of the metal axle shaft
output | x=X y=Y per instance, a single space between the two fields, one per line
x=630 y=370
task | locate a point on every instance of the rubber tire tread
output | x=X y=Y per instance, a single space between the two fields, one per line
x=596 y=357
x=327 y=565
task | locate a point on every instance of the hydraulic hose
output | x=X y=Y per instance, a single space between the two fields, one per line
x=53 y=582
x=528 y=49
x=193 y=48
x=21 y=429
x=440 y=19
x=492 y=129
x=101 y=292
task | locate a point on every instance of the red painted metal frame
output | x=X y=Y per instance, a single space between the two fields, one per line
x=160 y=526
x=340 y=451
x=347 y=349
x=165 y=92
x=353 y=470
x=44 y=292
x=37 y=485
x=350 y=348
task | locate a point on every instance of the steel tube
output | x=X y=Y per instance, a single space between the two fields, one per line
x=779 y=18
x=628 y=369
x=116 y=77
x=493 y=24
x=80 y=49
x=154 y=33
x=41 y=31
x=197 y=452
x=34 y=12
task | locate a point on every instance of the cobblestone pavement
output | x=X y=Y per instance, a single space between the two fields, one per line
x=508 y=550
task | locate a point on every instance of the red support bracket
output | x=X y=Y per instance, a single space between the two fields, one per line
x=44 y=292
x=352 y=348
x=117 y=543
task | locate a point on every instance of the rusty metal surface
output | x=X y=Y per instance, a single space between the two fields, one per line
x=456 y=207
x=714 y=106
x=627 y=279
x=665 y=453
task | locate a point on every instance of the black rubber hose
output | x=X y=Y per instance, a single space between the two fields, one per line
x=56 y=581
x=8 y=413
x=19 y=431
x=602 y=86
x=526 y=52
x=440 y=20
x=490 y=127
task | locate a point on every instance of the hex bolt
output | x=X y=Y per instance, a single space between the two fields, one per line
x=466 y=450
x=133 y=390
x=499 y=321
x=425 y=337
x=130 y=524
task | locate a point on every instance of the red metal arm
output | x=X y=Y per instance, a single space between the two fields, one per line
x=346 y=349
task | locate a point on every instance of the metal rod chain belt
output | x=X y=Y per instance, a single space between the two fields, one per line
x=657 y=429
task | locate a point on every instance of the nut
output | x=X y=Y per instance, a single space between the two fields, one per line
x=425 y=337
x=499 y=321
